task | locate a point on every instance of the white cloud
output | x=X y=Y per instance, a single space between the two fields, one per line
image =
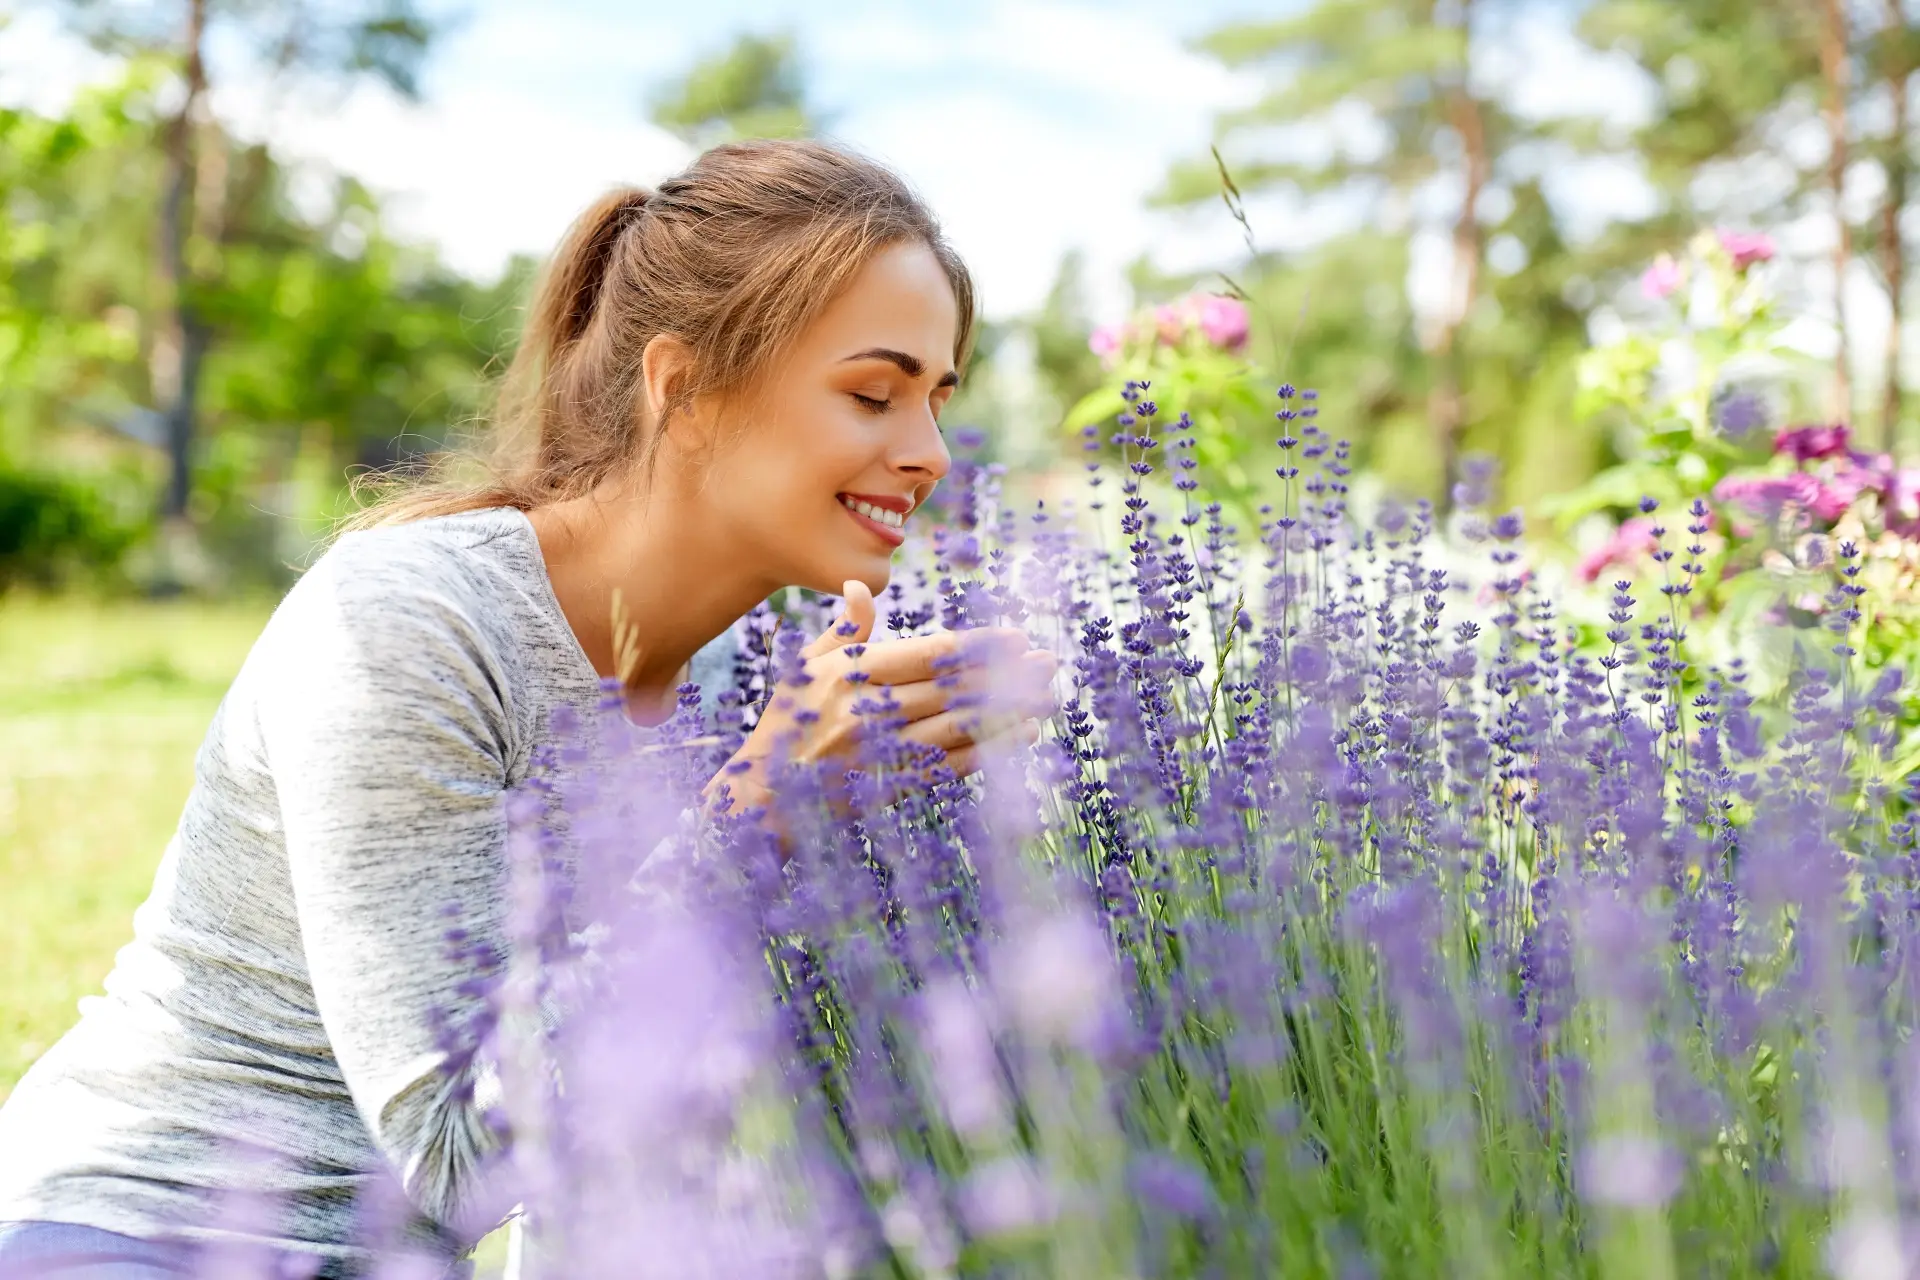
x=482 y=173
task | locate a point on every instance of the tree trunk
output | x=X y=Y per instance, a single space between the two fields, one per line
x=1893 y=253
x=1447 y=408
x=181 y=347
x=1833 y=72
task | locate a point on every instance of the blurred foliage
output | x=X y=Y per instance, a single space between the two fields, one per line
x=756 y=88
x=385 y=39
x=54 y=529
x=1191 y=353
x=1397 y=121
x=1695 y=391
x=1059 y=329
x=1440 y=153
x=335 y=344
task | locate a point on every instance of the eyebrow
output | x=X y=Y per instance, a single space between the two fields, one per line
x=911 y=365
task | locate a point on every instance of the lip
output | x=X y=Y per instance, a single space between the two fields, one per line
x=886 y=533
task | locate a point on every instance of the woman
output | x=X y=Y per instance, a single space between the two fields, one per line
x=727 y=385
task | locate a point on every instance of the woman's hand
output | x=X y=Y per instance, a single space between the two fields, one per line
x=955 y=691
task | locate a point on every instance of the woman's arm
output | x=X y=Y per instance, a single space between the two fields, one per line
x=386 y=732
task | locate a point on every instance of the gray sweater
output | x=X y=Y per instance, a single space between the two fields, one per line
x=271 y=1023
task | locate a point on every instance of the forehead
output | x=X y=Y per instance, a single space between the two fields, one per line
x=900 y=298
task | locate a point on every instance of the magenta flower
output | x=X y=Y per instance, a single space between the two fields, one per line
x=1629 y=543
x=1662 y=278
x=1746 y=247
x=1223 y=321
x=1903 y=502
x=1811 y=443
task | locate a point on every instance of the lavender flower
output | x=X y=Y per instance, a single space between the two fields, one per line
x=1358 y=913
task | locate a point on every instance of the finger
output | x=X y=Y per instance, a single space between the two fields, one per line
x=968 y=759
x=852 y=625
x=1028 y=690
x=952 y=729
x=928 y=657
x=902 y=704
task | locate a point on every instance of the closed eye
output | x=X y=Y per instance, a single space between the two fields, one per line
x=870 y=404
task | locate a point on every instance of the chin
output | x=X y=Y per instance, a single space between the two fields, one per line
x=831 y=580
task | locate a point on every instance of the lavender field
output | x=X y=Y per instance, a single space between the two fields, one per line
x=1361 y=913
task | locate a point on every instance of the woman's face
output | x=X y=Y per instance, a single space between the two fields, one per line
x=846 y=444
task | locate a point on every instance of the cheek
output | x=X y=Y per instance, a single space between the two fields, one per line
x=784 y=488
x=828 y=450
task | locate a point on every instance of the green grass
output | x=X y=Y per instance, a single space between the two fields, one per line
x=102 y=706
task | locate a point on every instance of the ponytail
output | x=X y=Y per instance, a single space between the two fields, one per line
x=564 y=306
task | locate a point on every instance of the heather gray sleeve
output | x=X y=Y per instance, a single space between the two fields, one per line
x=387 y=737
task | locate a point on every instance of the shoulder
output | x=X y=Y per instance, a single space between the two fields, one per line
x=434 y=594
x=463 y=559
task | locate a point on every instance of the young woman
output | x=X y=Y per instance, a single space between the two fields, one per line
x=727 y=385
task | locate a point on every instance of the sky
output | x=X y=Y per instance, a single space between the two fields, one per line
x=1031 y=126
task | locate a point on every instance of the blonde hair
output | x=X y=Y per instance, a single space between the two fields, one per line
x=736 y=255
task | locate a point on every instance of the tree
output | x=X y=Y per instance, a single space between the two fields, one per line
x=339 y=345
x=292 y=41
x=1894 y=54
x=1436 y=135
x=1737 y=77
x=756 y=88
x=76 y=266
x=1835 y=59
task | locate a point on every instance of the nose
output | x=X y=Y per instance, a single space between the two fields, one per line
x=921 y=454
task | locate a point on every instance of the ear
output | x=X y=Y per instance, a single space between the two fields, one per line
x=665 y=366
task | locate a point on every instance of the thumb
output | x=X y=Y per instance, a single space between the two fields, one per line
x=852 y=625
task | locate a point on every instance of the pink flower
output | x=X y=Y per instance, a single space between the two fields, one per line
x=1223 y=321
x=1765 y=495
x=1172 y=318
x=1629 y=542
x=1825 y=497
x=1746 y=247
x=1834 y=494
x=1105 y=341
x=1809 y=444
x=1660 y=279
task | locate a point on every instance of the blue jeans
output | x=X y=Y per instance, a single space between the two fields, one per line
x=63 y=1251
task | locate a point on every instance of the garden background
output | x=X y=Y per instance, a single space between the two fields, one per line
x=251 y=250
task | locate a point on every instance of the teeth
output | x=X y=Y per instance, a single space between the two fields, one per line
x=880 y=515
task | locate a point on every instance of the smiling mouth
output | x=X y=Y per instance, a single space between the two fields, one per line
x=879 y=515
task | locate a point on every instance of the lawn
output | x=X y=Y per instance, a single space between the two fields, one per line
x=102 y=705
